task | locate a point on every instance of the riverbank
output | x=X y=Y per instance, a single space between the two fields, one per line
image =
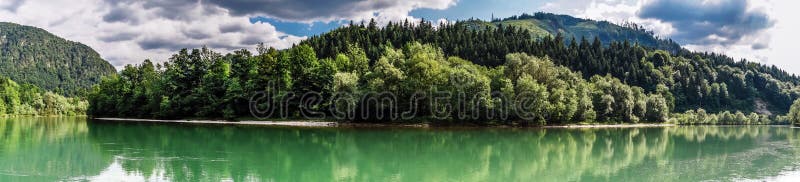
x=639 y=125
x=223 y=122
x=318 y=123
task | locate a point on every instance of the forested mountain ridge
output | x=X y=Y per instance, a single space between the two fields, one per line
x=548 y=24
x=693 y=79
x=34 y=56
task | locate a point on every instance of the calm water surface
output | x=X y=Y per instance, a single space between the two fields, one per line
x=73 y=149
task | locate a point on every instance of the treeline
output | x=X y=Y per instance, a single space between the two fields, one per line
x=794 y=114
x=695 y=80
x=701 y=117
x=27 y=99
x=528 y=89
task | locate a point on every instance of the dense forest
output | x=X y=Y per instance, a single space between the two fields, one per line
x=793 y=116
x=509 y=73
x=205 y=84
x=30 y=100
x=202 y=83
x=34 y=56
x=695 y=80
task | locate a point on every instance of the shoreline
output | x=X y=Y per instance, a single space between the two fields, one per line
x=223 y=122
x=333 y=124
x=638 y=125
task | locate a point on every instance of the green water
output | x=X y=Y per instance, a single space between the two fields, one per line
x=72 y=149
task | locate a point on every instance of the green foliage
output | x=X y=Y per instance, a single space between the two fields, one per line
x=701 y=117
x=502 y=70
x=687 y=80
x=28 y=99
x=657 y=108
x=794 y=113
x=533 y=90
x=528 y=88
x=31 y=55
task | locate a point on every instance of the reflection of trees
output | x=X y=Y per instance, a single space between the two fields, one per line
x=47 y=149
x=677 y=153
x=699 y=133
x=713 y=152
x=50 y=149
x=58 y=148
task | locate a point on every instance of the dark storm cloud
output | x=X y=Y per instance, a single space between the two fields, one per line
x=116 y=37
x=759 y=46
x=231 y=28
x=291 y=10
x=169 y=9
x=196 y=34
x=120 y=14
x=251 y=40
x=227 y=46
x=169 y=44
x=304 y=10
x=157 y=43
x=696 y=21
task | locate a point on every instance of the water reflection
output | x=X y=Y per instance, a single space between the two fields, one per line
x=107 y=151
x=678 y=153
x=47 y=149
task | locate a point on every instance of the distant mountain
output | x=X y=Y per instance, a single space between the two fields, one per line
x=547 y=24
x=35 y=56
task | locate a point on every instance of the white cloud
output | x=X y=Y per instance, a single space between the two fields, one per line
x=615 y=11
x=782 y=49
x=770 y=46
x=330 y=10
x=129 y=31
x=122 y=42
x=126 y=32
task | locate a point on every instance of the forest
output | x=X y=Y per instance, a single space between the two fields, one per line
x=30 y=100
x=204 y=84
x=507 y=72
x=696 y=80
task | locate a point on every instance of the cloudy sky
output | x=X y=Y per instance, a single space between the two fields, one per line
x=129 y=31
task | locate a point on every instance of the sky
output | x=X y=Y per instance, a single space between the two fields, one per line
x=130 y=31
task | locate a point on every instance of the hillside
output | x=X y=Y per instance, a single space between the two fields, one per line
x=548 y=24
x=35 y=56
x=694 y=80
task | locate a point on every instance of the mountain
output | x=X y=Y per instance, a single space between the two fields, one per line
x=694 y=80
x=547 y=24
x=34 y=56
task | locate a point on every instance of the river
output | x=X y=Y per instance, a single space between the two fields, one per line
x=74 y=149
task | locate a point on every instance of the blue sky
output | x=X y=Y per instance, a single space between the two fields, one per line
x=463 y=9
x=466 y=9
x=299 y=28
x=129 y=31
